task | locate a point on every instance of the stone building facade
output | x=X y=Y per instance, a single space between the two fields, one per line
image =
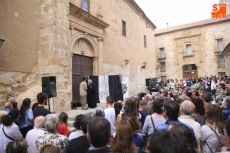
x=57 y=37
x=193 y=49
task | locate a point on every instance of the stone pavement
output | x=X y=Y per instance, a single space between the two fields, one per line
x=73 y=113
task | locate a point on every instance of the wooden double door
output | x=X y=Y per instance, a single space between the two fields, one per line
x=82 y=66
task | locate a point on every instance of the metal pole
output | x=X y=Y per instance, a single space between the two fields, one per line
x=49 y=103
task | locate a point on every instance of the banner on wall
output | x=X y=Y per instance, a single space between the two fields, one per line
x=125 y=87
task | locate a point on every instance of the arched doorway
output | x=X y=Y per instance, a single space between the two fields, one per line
x=82 y=65
x=190 y=70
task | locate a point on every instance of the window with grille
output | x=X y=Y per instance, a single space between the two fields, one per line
x=162 y=53
x=145 y=41
x=221 y=61
x=163 y=68
x=188 y=49
x=220 y=44
x=123 y=28
x=85 y=5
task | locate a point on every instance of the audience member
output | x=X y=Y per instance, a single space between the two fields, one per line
x=77 y=125
x=124 y=139
x=2 y=113
x=17 y=146
x=170 y=112
x=209 y=140
x=80 y=144
x=51 y=136
x=130 y=111
x=154 y=120
x=62 y=124
x=8 y=107
x=186 y=110
x=11 y=99
x=40 y=109
x=184 y=132
x=110 y=114
x=98 y=111
x=167 y=142
x=199 y=114
x=26 y=117
x=33 y=134
x=226 y=111
x=49 y=149
x=99 y=133
x=34 y=106
x=148 y=108
x=206 y=98
x=14 y=104
x=117 y=107
x=9 y=131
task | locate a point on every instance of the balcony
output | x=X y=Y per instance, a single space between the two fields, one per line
x=221 y=68
x=161 y=56
x=188 y=55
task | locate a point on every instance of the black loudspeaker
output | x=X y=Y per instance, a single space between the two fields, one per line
x=49 y=86
x=147 y=82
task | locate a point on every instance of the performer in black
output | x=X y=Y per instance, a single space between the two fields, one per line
x=91 y=95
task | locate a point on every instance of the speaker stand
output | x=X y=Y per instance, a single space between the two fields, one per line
x=49 y=103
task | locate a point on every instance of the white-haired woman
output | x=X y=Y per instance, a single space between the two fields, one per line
x=91 y=95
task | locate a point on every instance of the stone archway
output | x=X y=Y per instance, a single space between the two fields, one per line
x=82 y=64
x=190 y=70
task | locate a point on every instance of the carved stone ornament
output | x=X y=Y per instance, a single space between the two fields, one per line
x=82 y=46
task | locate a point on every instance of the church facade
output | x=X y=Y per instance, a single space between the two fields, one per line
x=72 y=39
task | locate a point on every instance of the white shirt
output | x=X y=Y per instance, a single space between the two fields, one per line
x=110 y=115
x=12 y=131
x=213 y=85
x=75 y=134
x=158 y=119
x=184 y=83
x=208 y=135
x=195 y=126
x=31 y=138
x=173 y=85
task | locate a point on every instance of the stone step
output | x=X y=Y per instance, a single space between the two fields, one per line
x=73 y=113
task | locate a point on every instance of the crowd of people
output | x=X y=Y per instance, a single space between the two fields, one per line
x=189 y=116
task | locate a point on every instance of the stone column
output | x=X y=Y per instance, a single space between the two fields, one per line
x=53 y=54
x=100 y=57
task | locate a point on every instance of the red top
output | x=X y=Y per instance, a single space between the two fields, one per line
x=63 y=129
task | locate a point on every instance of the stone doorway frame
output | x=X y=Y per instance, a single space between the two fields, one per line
x=93 y=43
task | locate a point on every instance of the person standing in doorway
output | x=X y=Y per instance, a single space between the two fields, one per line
x=83 y=93
x=91 y=95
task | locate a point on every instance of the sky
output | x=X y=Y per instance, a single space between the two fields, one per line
x=176 y=12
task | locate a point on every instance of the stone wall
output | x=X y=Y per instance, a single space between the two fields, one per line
x=15 y=83
x=204 y=45
x=117 y=48
x=53 y=53
x=110 y=47
x=19 y=24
